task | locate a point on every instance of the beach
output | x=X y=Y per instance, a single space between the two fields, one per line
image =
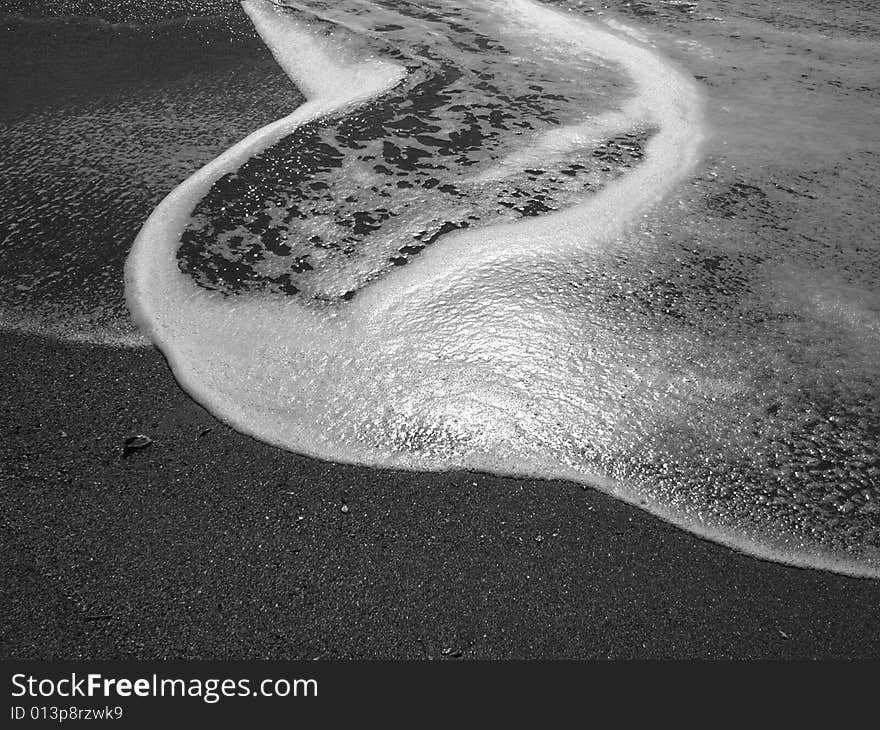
x=693 y=328
x=208 y=544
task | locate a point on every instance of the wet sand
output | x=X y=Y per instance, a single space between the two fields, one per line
x=209 y=544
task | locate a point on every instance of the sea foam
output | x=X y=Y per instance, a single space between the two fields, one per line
x=493 y=349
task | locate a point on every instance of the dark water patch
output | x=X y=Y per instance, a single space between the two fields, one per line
x=738 y=199
x=812 y=216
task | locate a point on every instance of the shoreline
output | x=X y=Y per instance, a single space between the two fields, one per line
x=209 y=544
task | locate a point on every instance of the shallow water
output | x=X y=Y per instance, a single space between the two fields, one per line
x=708 y=352
x=99 y=121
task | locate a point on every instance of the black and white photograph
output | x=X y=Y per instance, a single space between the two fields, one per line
x=439 y=330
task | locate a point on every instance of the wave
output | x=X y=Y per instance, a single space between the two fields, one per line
x=519 y=346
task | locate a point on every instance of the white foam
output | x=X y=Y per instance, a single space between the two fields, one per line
x=473 y=356
x=317 y=65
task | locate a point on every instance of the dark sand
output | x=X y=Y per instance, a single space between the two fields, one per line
x=217 y=546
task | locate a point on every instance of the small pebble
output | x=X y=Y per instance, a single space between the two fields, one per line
x=135 y=443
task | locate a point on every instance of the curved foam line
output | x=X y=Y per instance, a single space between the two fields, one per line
x=152 y=255
x=665 y=96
